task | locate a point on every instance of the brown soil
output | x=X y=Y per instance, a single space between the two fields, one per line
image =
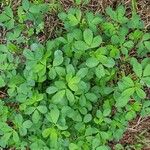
x=138 y=132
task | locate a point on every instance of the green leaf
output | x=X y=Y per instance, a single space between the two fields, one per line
x=96 y=41
x=2 y=82
x=92 y=62
x=27 y=124
x=30 y=110
x=87 y=118
x=28 y=54
x=60 y=71
x=121 y=11
x=58 y=58
x=52 y=73
x=70 y=69
x=130 y=115
x=42 y=109
x=147 y=45
x=46 y=132
x=80 y=45
x=106 y=112
x=54 y=113
x=23 y=131
x=138 y=70
x=103 y=148
x=128 y=44
x=73 y=83
x=91 y=96
x=88 y=36
x=82 y=72
x=146 y=80
x=60 y=84
x=51 y=90
x=4 y=17
x=73 y=20
x=19 y=119
x=128 y=81
x=140 y=93
x=58 y=97
x=15 y=136
x=125 y=97
x=73 y=146
x=35 y=117
x=111 y=13
x=35 y=9
x=109 y=62
x=122 y=101
x=100 y=71
x=4 y=139
x=25 y=4
x=146 y=71
x=70 y=97
x=8 y=11
x=78 y=2
x=53 y=138
x=137 y=67
x=128 y=92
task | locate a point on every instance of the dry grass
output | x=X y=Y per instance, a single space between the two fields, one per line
x=138 y=132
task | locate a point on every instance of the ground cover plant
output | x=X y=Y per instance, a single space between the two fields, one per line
x=78 y=91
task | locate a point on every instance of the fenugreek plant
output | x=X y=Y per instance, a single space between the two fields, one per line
x=78 y=91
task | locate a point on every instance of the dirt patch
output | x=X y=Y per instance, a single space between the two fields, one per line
x=138 y=132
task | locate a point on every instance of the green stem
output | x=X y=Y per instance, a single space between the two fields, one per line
x=134 y=7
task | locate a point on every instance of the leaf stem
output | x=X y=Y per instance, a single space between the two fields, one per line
x=134 y=7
